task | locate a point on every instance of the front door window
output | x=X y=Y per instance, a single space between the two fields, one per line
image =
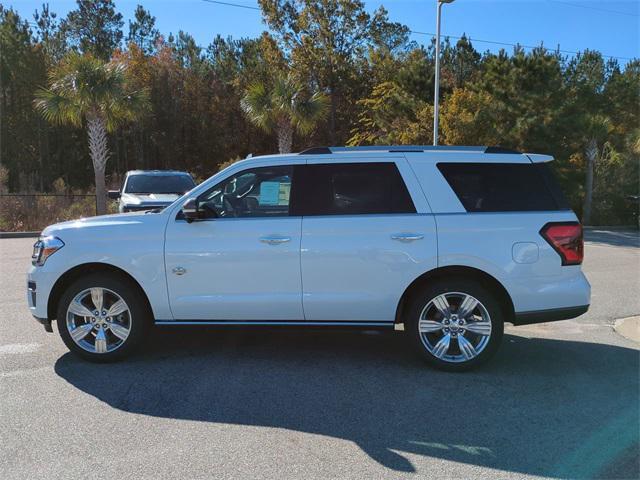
x=259 y=192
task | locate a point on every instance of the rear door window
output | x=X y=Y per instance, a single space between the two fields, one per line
x=351 y=189
x=504 y=187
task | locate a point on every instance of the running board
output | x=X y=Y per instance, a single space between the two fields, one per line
x=275 y=323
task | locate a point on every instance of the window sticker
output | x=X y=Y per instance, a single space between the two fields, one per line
x=270 y=193
x=283 y=195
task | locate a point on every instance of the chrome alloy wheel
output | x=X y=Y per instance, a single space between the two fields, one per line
x=98 y=320
x=455 y=327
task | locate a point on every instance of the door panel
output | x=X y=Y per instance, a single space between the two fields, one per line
x=241 y=260
x=366 y=235
x=235 y=269
x=352 y=268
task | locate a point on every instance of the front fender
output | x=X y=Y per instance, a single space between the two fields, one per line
x=136 y=247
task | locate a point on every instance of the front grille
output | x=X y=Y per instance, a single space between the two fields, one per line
x=142 y=208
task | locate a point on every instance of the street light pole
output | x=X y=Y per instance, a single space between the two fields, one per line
x=436 y=93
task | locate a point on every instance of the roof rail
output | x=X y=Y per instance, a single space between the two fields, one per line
x=498 y=149
x=405 y=148
x=316 y=151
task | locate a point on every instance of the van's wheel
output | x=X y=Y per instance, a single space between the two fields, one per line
x=455 y=324
x=103 y=317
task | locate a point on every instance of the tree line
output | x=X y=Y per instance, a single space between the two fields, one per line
x=326 y=72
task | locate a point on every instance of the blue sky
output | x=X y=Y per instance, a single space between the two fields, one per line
x=610 y=26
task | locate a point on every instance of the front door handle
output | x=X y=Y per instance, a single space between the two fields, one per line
x=179 y=270
x=275 y=240
x=407 y=237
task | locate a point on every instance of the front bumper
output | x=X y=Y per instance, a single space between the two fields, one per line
x=550 y=315
x=45 y=322
x=32 y=301
x=39 y=286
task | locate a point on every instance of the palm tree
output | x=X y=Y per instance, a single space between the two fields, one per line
x=596 y=129
x=84 y=90
x=285 y=109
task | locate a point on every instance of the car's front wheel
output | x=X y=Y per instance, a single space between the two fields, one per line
x=102 y=317
x=455 y=324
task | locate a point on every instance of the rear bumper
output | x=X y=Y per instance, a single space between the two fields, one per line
x=551 y=315
x=540 y=293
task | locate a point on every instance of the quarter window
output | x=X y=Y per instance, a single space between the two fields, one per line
x=259 y=192
x=351 y=189
x=503 y=187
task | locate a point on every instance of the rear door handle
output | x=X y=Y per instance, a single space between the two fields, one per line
x=407 y=237
x=275 y=240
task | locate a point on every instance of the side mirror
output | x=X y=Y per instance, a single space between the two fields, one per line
x=190 y=210
x=114 y=194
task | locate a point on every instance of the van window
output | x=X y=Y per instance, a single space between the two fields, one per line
x=504 y=187
x=351 y=189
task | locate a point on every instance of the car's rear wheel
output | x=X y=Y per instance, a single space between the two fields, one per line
x=455 y=324
x=102 y=317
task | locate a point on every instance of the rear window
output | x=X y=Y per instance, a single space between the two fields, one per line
x=351 y=189
x=504 y=187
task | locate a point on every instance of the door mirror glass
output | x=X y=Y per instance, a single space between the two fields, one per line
x=114 y=194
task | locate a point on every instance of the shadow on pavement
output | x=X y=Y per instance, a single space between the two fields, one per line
x=544 y=407
x=616 y=238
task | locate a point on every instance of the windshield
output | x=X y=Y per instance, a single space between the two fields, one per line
x=178 y=184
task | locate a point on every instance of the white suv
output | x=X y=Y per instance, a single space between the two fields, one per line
x=447 y=243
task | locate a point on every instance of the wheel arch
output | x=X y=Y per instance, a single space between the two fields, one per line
x=459 y=271
x=78 y=271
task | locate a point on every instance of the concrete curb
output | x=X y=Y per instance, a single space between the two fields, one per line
x=19 y=234
x=614 y=228
x=628 y=328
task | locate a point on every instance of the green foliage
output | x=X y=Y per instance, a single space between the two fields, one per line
x=94 y=28
x=391 y=116
x=142 y=31
x=85 y=90
x=377 y=85
x=22 y=69
x=284 y=107
x=49 y=34
x=82 y=86
x=325 y=41
x=467 y=118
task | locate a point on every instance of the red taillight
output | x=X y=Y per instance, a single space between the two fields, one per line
x=566 y=239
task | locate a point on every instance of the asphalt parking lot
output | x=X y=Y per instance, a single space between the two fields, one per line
x=560 y=400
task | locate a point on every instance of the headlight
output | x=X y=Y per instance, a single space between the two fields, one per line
x=130 y=200
x=44 y=248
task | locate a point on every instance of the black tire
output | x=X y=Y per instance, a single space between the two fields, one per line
x=430 y=291
x=140 y=316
